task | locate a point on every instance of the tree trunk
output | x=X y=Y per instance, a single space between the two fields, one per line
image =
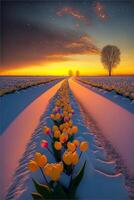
x=110 y=70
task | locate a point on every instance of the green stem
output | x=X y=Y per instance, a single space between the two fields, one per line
x=80 y=155
x=50 y=151
x=44 y=176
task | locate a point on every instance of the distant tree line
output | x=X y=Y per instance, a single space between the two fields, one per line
x=71 y=73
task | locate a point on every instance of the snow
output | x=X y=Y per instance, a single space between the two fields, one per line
x=99 y=181
x=113 y=96
x=13 y=104
x=116 y=123
x=16 y=136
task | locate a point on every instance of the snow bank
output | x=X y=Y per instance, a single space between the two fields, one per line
x=13 y=104
x=17 y=135
x=116 y=123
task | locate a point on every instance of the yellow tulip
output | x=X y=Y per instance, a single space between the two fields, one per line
x=70 y=123
x=63 y=137
x=32 y=166
x=61 y=127
x=84 y=146
x=67 y=158
x=55 y=174
x=76 y=142
x=57 y=134
x=42 y=161
x=58 y=116
x=69 y=131
x=52 y=116
x=74 y=129
x=48 y=169
x=55 y=128
x=37 y=156
x=64 y=113
x=60 y=166
x=57 y=145
x=75 y=158
x=71 y=146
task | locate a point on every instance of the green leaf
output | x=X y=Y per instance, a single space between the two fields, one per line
x=59 y=192
x=42 y=189
x=76 y=181
x=37 y=196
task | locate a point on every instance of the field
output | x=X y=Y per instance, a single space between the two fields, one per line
x=13 y=84
x=121 y=85
x=67 y=138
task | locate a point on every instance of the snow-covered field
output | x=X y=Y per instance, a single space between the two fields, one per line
x=25 y=113
x=123 y=85
x=100 y=180
x=10 y=84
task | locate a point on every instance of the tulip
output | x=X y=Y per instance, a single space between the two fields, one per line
x=60 y=166
x=55 y=174
x=44 y=144
x=76 y=142
x=69 y=131
x=66 y=119
x=37 y=156
x=70 y=115
x=52 y=116
x=75 y=158
x=55 y=128
x=63 y=137
x=70 y=123
x=47 y=169
x=41 y=161
x=64 y=113
x=57 y=134
x=32 y=166
x=67 y=158
x=74 y=129
x=57 y=145
x=61 y=127
x=47 y=130
x=58 y=116
x=84 y=146
x=71 y=146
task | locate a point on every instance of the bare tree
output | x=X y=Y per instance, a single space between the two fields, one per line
x=77 y=73
x=70 y=73
x=110 y=57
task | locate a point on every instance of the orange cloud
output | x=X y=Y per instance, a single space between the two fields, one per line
x=100 y=11
x=83 y=45
x=74 y=13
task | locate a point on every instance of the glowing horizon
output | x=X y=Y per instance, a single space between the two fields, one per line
x=87 y=65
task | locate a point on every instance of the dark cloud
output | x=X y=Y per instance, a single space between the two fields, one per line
x=26 y=44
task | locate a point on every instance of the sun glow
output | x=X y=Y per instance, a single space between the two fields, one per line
x=87 y=65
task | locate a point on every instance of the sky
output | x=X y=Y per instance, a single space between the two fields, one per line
x=50 y=37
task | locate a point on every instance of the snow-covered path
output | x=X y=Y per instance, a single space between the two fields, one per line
x=100 y=180
x=17 y=135
x=11 y=105
x=116 y=123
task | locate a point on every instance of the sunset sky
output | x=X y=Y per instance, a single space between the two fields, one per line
x=50 y=37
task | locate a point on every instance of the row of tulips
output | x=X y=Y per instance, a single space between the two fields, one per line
x=17 y=85
x=65 y=149
x=121 y=87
